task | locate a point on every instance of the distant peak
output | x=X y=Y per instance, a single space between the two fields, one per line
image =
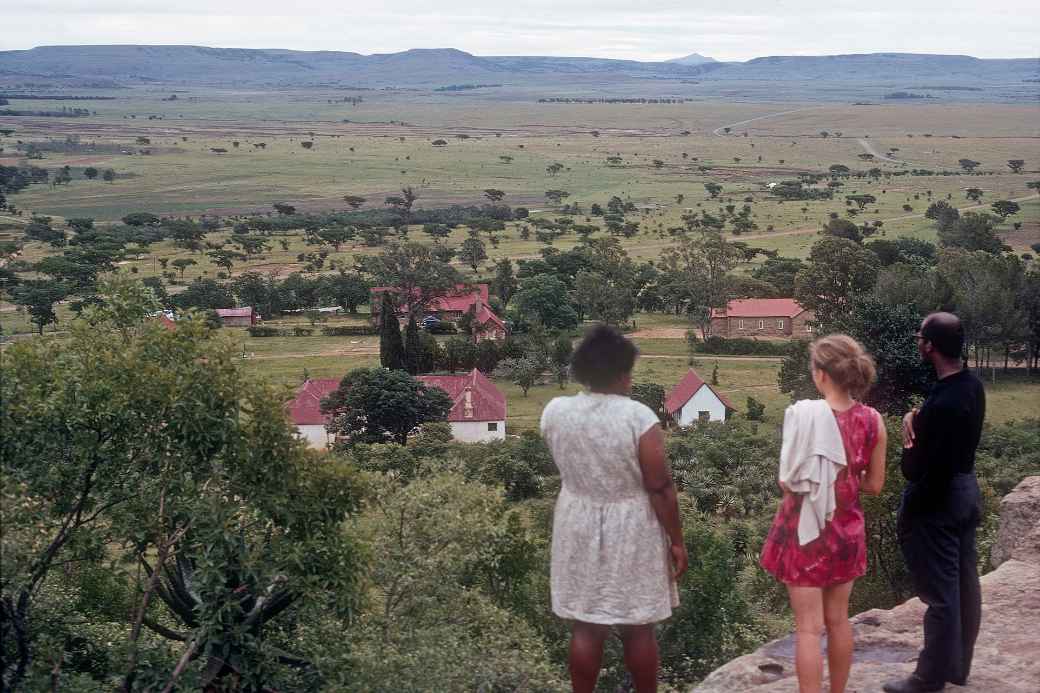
x=692 y=59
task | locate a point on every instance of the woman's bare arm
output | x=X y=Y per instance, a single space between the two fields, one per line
x=874 y=477
x=657 y=480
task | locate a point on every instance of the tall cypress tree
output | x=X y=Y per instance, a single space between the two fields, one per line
x=391 y=349
x=413 y=348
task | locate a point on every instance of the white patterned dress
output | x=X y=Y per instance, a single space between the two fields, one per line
x=610 y=559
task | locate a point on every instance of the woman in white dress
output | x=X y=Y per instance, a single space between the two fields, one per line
x=617 y=545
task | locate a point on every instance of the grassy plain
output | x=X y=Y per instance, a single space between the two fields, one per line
x=666 y=150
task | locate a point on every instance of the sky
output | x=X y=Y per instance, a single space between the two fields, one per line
x=649 y=30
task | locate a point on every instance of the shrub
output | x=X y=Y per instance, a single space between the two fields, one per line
x=443 y=327
x=302 y=332
x=263 y=331
x=349 y=331
x=740 y=346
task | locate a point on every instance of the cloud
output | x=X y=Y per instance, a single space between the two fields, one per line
x=595 y=28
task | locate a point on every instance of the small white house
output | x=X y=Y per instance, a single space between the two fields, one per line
x=477 y=415
x=695 y=400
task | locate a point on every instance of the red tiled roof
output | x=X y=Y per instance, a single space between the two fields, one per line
x=686 y=389
x=485 y=315
x=235 y=312
x=486 y=402
x=305 y=408
x=460 y=301
x=759 y=308
x=167 y=323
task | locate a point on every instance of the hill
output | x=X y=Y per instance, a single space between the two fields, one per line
x=199 y=65
x=693 y=59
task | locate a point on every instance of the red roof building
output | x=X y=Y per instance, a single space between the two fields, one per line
x=695 y=400
x=762 y=317
x=478 y=413
x=237 y=317
x=475 y=297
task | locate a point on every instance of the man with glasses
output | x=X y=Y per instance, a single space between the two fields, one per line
x=941 y=509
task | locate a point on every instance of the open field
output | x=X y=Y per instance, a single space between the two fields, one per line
x=667 y=153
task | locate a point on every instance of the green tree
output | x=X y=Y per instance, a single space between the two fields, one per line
x=542 y=299
x=972 y=232
x=780 y=272
x=459 y=354
x=90 y=173
x=220 y=258
x=374 y=405
x=348 y=290
x=141 y=219
x=109 y=176
x=973 y=194
x=1005 y=208
x=653 y=396
x=838 y=270
x=391 y=347
x=504 y=283
x=183 y=263
x=713 y=189
x=473 y=252
x=159 y=433
x=38 y=297
x=494 y=195
x=1016 y=165
x=523 y=372
x=206 y=294
x=355 y=201
x=415 y=275
x=412 y=348
x=968 y=165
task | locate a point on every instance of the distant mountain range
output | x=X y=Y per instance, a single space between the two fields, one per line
x=197 y=65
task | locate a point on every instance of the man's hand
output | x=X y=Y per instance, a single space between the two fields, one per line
x=908 y=428
x=680 y=561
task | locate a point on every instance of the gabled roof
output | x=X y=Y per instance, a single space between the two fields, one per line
x=165 y=321
x=485 y=315
x=459 y=300
x=474 y=397
x=759 y=308
x=246 y=312
x=686 y=389
x=305 y=408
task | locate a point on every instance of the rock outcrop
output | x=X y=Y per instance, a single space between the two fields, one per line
x=1007 y=656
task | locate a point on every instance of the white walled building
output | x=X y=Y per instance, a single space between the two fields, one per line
x=478 y=412
x=695 y=400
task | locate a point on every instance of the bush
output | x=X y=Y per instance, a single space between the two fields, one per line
x=262 y=331
x=302 y=332
x=443 y=327
x=740 y=346
x=349 y=331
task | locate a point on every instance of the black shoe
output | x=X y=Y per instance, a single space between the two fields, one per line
x=912 y=684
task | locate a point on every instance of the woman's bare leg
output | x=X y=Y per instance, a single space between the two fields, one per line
x=640 y=643
x=839 y=634
x=586 y=655
x=807 y=603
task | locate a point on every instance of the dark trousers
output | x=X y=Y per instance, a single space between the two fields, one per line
x=937 y=536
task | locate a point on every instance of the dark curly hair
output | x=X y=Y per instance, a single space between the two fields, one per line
x=603 y=356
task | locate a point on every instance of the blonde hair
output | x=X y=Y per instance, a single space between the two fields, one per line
x=845 y=361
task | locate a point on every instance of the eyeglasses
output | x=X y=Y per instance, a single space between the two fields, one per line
x=920 y=337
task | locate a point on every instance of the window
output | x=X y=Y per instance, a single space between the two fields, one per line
x=808 y=327
x=780 y=324
x=493 y=426
x=740 y=324
x=761 y=324
x=704 y=416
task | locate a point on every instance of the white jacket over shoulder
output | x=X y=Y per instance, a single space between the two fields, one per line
x=811 y=458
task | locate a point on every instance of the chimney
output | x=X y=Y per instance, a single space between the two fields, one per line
x=467 y=403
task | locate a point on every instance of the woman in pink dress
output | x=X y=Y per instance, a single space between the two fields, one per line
x=819 y=575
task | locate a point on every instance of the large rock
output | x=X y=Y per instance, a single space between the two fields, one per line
x=1019 y=512
x=1007 y=656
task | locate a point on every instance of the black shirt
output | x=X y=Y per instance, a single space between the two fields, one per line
x=947 y=431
